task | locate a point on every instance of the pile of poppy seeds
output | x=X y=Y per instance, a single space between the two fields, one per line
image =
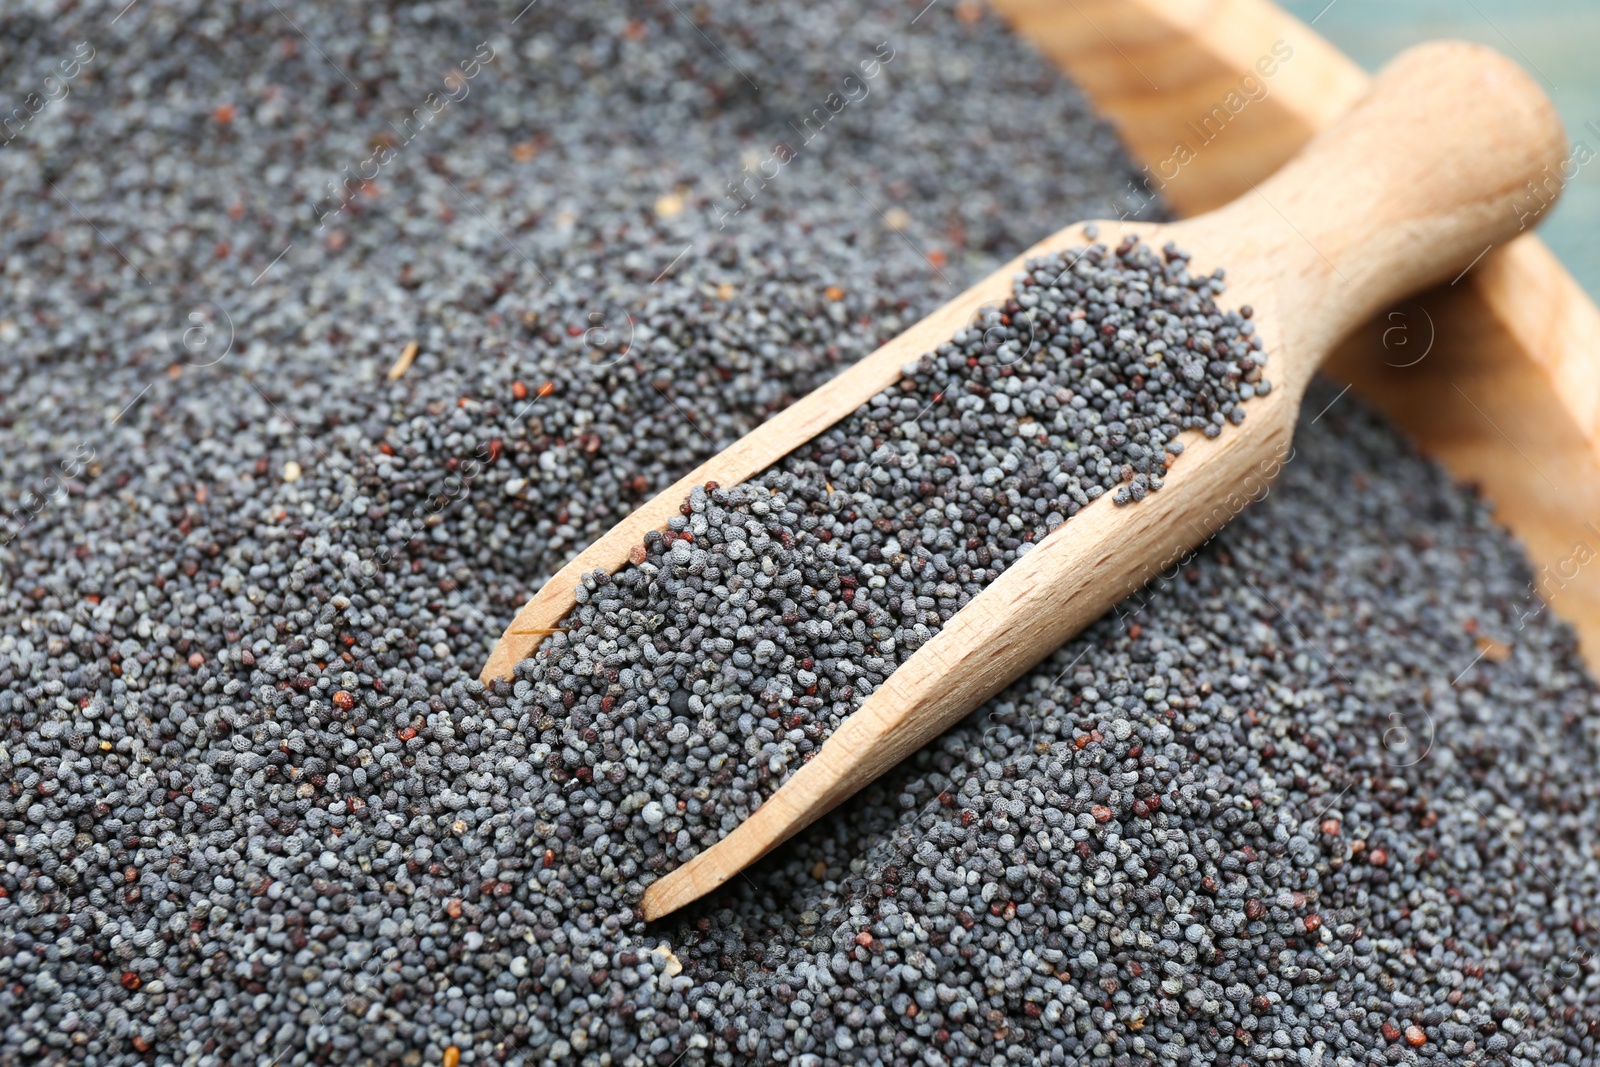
x=1325 y=794
x=715 y=663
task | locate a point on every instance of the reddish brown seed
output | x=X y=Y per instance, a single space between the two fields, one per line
x=1492 y=650
x=196 y=660
x=453 y=906
x=345 y=701
x=1378 y=857
x=407 y=734
x=1313 y=923
x=519 y=390
x=141 y=1042
x=1391 y=1032
x=1416 y=1036
x=637 y=555
x=224 y=113
x=130 y=981
x=1254 y=909
x=864 y=939
x=547 y=388
x=1101 y=814
x=452 y=1056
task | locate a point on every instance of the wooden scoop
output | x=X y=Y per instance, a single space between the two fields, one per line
x=1411 y=188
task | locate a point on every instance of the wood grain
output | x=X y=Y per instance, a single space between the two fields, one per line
x=1508 y=395
x=1158 y=68
x=1400 y=193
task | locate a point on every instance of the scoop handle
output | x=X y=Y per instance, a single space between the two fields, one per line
x=1455 y=150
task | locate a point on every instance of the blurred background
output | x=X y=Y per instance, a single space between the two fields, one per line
x=1554 y=39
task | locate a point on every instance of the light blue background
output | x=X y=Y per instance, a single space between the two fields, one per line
x=1558 y=41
